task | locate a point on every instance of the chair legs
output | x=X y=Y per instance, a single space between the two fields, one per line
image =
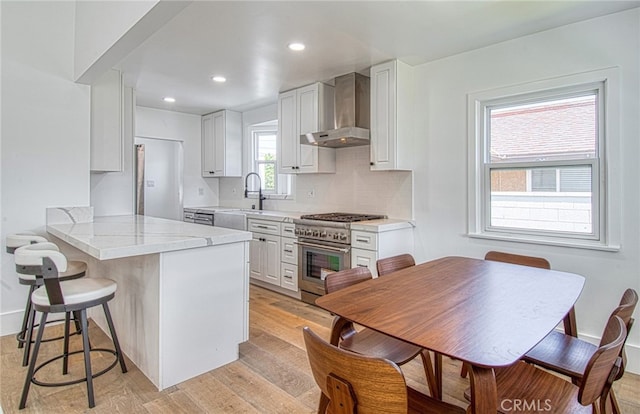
x=87 y=357
x=114 y=337
x=81 y=320
x=32 y=364
x=27 y=311
x=434 y=377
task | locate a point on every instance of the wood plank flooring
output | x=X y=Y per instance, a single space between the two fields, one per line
x=271 y=376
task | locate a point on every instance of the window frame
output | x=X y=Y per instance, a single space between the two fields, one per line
x=604 y=167
x=283 y=182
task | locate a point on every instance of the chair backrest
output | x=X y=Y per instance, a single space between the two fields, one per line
x=518 y=259
x=599 y=372
x=43 y=260
x=625 y=311
x=391 y=264
x=355 y=383
x=14 y=241
x=345 y=278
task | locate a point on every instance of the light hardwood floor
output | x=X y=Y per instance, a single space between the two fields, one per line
x=271 y=376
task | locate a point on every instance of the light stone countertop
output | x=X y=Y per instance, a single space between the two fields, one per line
x=382 y=225
x=113 y=237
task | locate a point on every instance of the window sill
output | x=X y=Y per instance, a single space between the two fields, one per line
x=272 y=196
x=576 y=244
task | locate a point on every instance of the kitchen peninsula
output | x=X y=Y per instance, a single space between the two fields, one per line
x=181 y=308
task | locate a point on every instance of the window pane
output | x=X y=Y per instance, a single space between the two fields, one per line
x=550 y=130
x=512 y=206
x=267 y=171
x=266 y=146
x=543 y=179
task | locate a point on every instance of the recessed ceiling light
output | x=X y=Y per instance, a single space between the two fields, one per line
x=219 y=79
x=296 y=46
x=169 y=99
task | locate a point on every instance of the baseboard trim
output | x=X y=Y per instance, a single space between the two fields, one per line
x=11 y=322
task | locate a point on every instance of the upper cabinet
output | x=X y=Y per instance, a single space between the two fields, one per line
x=107 y=123
x=303 y=110
x=391 y=116
x=222 y=144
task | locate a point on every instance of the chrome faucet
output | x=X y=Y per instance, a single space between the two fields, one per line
x=246 y=189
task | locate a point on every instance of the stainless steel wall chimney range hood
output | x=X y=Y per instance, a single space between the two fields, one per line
x=351 y=115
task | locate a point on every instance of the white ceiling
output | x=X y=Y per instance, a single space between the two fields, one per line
x=247 y=43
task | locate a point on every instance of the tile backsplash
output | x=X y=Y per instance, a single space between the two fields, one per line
x=353 y=188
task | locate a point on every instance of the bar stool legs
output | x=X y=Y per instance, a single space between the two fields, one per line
x=86 y=350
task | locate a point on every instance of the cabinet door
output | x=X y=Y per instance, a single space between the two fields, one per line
x=106 y=128
x=271 y=259
x=208 y=146
x=255 y=257
x=288 y=137
x=289 y=277
x=307 y=122
x=365 y=258
x=383 y=119
x=219 y=136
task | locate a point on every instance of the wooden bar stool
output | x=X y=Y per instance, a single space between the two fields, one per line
x=75 y=295
x=75 y=270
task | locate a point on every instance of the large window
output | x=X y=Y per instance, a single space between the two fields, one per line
x=538 y=157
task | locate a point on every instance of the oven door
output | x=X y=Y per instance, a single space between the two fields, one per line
x=316 y=260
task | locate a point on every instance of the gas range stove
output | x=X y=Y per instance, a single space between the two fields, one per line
x=331 y=227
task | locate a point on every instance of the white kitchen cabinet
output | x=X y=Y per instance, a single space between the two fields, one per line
x=289 y=276
x=106 y=153
x=264 y=263
x=222 y=144
x=392 y=128
x=303 y=110
x=370 y=244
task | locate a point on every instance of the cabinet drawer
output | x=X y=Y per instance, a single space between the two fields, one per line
x=289 y=251
x=288 y=230
x=364 y=240
x=364 y=258
x=289 y=277
x=264 y=226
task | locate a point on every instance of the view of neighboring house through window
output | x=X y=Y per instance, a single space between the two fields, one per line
x=541 y=158
x=538 y=162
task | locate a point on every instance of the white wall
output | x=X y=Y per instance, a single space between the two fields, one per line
x=156 y=123
x=441 y=179
x=45 y=130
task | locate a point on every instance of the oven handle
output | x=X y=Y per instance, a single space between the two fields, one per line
x=323 y=246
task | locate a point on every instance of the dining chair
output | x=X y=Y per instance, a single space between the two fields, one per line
x=391 y=264
x=351 y=383
x=532 y=261
x=525 y=388
x=570 y=356
x=369 y=342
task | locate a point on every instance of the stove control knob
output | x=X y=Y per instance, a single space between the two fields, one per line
x=335 y=236
x=323 y=234
x=343 y=236
x=296 y=231
x=309 y=233
x=316 y=233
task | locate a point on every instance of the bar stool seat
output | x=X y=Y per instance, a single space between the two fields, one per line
x=77 y=292
x=69 y=296
x=75 y=270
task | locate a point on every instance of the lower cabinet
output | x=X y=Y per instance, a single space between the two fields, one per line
x=367 y=246
x=274 y=255
x=265 y=258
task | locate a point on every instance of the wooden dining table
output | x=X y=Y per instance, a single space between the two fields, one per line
x=487 y=314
